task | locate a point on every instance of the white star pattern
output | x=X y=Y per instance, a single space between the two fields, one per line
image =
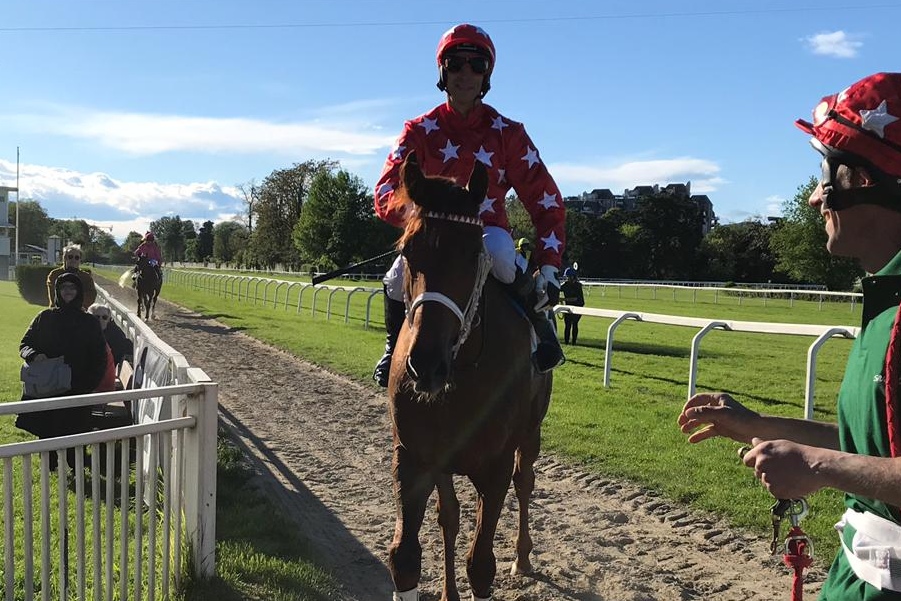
x=384 y=189
x=499 y=124
x=501 y=176
x=487 y=205
x=552 y=242
x=449 y=151
x=398 y=152
x=531 y=156
x=429 y=125
x=875 y=120
x=549 y=201
x=484 y=156
x=843 y=95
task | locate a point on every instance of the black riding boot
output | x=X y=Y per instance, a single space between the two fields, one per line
x=395 y=313
x=548 y=355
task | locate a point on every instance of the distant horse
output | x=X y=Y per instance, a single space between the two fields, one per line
x=463 y=395
x=148 y=284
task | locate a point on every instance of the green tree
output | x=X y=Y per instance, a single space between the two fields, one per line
x=799 y=243
x=132 y=241
x=277 y=209
x=34 y=223
x=204 y=248
x=337 y=224
x=740 y=252
x=670 y=236
x=170 y=233
x=229 y=240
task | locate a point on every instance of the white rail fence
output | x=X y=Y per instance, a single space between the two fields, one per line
x=821 y=334
x=735 y=292
x=239 y=287
x=149 y=492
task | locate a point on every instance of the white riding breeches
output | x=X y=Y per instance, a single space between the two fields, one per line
x=499 y=244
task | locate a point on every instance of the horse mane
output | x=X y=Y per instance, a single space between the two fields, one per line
x=436 y=196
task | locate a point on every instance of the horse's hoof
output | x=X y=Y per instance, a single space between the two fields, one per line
x=521 y=568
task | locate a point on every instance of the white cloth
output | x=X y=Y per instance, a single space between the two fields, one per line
x=875 y=552
x=499 y=244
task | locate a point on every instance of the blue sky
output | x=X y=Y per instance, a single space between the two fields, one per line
x=127 y=111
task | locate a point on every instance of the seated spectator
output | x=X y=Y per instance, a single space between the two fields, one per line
x=120 y=345
x=72 y=264
x=65 y=330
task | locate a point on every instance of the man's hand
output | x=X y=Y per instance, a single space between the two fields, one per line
x=716 y=414
x=787 y=469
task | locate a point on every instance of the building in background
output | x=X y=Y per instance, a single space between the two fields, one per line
x=600 y=200
x=7 y=231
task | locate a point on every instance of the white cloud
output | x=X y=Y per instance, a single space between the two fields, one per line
x=703 y=174
x=147 y=134
x=836 y=43
x=120 y=205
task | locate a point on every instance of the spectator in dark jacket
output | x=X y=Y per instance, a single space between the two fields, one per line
x=571 y=291
x=65 y=330
x=120 y=345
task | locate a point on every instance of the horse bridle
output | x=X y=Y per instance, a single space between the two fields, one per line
x=465 y=316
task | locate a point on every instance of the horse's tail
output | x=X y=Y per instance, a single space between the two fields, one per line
x=123 y=279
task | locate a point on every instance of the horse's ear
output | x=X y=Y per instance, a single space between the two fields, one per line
x=478 y=181
x=411 y=175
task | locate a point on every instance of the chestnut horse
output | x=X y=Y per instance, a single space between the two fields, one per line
x=463 y=395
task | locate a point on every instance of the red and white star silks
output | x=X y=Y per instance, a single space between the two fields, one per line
x=448 y=144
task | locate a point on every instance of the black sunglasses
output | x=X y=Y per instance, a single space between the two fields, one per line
x=103 y=317
x=70 y=257
x=478 y=64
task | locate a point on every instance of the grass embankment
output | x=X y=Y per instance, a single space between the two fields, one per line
x=627 y=430
x=259 y=554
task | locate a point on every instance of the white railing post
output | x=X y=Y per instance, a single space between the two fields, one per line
x=696 y=349
x=199 y=457
x=608 y=350
x=812 y=365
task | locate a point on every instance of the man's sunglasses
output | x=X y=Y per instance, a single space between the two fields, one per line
x=103 y=317
x=478 y=64
x=71 y=257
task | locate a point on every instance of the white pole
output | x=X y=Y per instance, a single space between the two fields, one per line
x=16 y=252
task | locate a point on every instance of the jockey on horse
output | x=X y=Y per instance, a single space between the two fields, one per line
x=150 y=249
x=448 y=141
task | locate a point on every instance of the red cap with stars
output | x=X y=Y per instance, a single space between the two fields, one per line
x=863 y=120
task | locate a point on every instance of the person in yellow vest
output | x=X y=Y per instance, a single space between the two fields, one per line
x=72 y=256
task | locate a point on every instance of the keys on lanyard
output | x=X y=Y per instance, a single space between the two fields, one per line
x=795 y=509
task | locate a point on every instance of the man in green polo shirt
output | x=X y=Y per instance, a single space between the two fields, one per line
x=858 y=133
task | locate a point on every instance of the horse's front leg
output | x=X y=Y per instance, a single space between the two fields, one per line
x=524 y=483
x=492 y=485
x=449 y=520
x=412 y=487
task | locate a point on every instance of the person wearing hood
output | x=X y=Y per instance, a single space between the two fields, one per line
x=65 y=330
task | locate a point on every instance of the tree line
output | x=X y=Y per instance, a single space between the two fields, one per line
x=315 y=216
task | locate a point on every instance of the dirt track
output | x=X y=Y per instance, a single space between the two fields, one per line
x=322 y=443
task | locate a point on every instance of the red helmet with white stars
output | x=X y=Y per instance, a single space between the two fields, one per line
x=469 y=38
x=864 y=120
x=861 y=127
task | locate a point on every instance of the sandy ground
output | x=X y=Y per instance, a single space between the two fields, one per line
x=321 y=443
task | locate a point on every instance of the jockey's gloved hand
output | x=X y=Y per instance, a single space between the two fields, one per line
x=547 y=287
